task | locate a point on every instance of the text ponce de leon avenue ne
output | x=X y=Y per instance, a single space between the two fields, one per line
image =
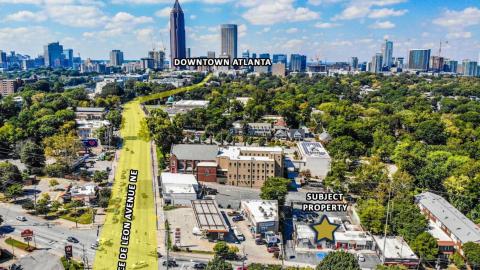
x=127 y=225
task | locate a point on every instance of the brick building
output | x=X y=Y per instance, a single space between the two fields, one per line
x=8 y=87
x=184 y=158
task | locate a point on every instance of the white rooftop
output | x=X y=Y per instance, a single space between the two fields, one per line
x=304 y=232
x=312 y=149
x=235 y=152
x=178 y=179
x=176 y=188
x=191 y=103
x=262 y=210
x=437 y=233
x=87 y=190
x=395 y=248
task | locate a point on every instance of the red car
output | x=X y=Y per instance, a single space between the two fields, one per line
x=273 y=249
x=242 y=268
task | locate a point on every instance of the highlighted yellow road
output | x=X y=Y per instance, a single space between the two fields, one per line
x=135 y=154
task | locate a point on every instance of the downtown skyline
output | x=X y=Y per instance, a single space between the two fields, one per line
x=332 y=30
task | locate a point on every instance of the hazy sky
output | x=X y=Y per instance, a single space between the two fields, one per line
x=332 y=30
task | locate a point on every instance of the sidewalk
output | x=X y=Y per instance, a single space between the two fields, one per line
x=161 y=239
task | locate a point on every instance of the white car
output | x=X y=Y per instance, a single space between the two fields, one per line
x=361 y=258
x=21 y=218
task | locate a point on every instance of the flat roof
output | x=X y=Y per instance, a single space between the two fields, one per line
x=457 y=223
x=395 y=248
x=178 y=179
x=90 y=109
x=207 y=164
x=437 y=233
x=195 y=151
x=235 y=152
x=262 y=210
x=191 y=103
x=312 y=149
x=208 y=216
x=179 y=189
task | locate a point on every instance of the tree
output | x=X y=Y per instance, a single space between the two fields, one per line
x=63 y=147
x=112 y=89
x=372 y=215
x=13 y=191
x=407 y=220
x=115 y=118
x=390 y=267
x=33 y=157
x=221 y=249
x=339 y=260
x=162 y=130
x=53 y=182
x=425 y=246
x=100 y=176
x=275 y=188
x=9 y=174
x=217 y=263
x=258 y=266
x=472 y=254
x=431 y=132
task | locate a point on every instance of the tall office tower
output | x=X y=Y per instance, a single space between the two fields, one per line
x=418 y=59
x=116 y=58
x=387 y=54
x=451 y=66
x=279 y=58
x=246 y=54
x=377 y=63
x=298 y=63
x=53 y=53
x=189 y=53
x=158 y=59
x=3 y=59
x=354 y=63
x=469 y=68
x=229 y=40
x=210 y=54
x=68 y=58
x=177 y=33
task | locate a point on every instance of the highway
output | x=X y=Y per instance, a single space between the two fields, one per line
x=53 y=238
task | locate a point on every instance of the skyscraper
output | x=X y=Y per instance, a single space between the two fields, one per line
x=418 y=59
x=116 y=58
x=229 y=40
x=436 y=63
x=189 y=53
x=387 y=54
x=68 y=58
x=158 y=59
x=451 y=66
x=177 y=33
x=469 y=68
x=3 y=59
x=298 y=63
x=279 y=58
x=354 y=63
x=53 y=53
x=210 y=54
x=377 y=63
x=246 y=54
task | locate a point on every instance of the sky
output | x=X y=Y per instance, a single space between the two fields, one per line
x=327 y=30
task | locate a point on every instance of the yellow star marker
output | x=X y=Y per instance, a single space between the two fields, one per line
x=324 y=229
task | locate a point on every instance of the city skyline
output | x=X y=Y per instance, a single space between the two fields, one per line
x=332 y=30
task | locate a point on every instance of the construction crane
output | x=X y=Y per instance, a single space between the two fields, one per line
x=440 y=48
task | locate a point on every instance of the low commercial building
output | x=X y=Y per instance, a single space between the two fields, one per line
x=451 y=221
x=184 y=158
x=86 y=193
x=250 y=166
x=209 y=219
x=395 y=251
x=262 y=215
x=86 y=128
x=314 y=159
x=178 y=189
x=90 y=113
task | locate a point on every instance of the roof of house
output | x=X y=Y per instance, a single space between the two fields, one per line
x=457 y=223
x=195 y=151
x=292 y=133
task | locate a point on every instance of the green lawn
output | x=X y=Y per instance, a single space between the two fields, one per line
x=85 y=216
x=18 y=244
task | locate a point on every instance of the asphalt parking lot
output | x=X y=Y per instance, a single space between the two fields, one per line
x=232 y=195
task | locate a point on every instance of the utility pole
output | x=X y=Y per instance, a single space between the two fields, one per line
x=386 y=220
x=166 y=242
x=85 y=258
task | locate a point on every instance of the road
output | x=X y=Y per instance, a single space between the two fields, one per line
x=53 y=238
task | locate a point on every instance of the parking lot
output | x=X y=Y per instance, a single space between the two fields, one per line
x=232 y=195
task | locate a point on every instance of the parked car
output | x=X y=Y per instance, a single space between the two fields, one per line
x=237 y=218
x=21 y=218
x=233 y=213
x=94 y=246
x=72 y=239
x=171 y=263
x=199 y=266
x=273 y=249
x=242 y=268
x=260 y=241
x=361 y=258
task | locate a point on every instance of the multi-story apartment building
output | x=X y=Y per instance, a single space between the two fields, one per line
x=8 y=87
x=448 y=220
x=250 y=166
x=259 y=129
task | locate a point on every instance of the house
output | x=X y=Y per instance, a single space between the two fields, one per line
x=259 y=129
x=184 y=158
x=86 y=128
x=86 y=193
x=450 y=220
x=281 y=134
x=296 y=134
